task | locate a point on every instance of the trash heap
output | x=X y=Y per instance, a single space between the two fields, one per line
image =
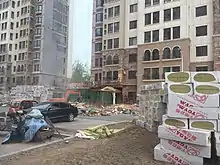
x=151 y=106
x=91 y=110
x=191 y=126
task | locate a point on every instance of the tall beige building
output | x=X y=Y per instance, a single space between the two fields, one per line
x=136 y=41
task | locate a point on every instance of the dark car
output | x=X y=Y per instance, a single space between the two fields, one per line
x=57 y=110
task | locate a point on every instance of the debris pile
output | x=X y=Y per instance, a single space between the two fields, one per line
x=90 y=110
x=190 y=129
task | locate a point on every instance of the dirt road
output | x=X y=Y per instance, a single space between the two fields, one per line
x=133 y=146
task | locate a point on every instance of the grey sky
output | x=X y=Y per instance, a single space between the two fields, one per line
x=82 y=30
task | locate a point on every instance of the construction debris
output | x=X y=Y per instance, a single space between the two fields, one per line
x=98 y=132
x=90 y=110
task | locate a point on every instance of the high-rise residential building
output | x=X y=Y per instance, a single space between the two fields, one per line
x=33 y=42
x=136 y=41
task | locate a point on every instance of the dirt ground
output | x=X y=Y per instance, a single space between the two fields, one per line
x=133 y=146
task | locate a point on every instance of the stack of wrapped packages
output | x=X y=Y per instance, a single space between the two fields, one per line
x=151 y=106
x=192 y=122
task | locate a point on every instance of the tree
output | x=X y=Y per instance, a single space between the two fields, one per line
x=81 y=72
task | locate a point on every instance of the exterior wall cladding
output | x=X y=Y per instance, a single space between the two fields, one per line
x=135 y=42
x=34 y=42
x=54 y=46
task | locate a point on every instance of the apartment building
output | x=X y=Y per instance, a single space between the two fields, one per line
x=33 y=42
x=143 y=39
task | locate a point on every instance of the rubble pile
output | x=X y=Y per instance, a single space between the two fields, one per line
x=190 y=129
x=90 y=110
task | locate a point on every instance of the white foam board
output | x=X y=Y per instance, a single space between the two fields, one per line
x=210 y=125
x=196 y=137
x=186 y=148
x=204 y=77
x=175 y=158
x=169 y=121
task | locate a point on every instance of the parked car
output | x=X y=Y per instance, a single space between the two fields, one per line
x=57 y=110
x=21 y=104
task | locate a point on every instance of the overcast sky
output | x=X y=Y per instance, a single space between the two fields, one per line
x=82 y=30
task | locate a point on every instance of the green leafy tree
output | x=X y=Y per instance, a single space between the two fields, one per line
x=81 y=73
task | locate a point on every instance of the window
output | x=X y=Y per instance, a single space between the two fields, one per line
x=12 y=15
x=155 y=35
x=147 y=37
x=98 y=47
x=116 y=59
x=147 y=55
x=176 y=13
x=167 y=15
x=201 y=11
x=116 y=43
x=176 y=32
x=98 y=32
x=176 y=52
x=147 y=3
x=147 y=74
x=156 y=17
x=132 y=74
x=167 y=34
x=201 y=51
x=99 y=17
x=166 y=53
x=117 y=11
x=132 y=58
x=116 y=27
x=115 y=75
x=96 y=77
x=109 y=60
x=110 y=12
x=99 y=3
x=133 y=24
x=166 y=69
x=201 y=68
x=201 y=31
x=132 y=41
x=148 y=19
x=109 y=75
x=133 y=8
x=155 y=54
x=155 y=73
x=176 y=69
x=96 y=62
x=156 y=2
x=110 y=28
x=38 y=20
x=109 y=43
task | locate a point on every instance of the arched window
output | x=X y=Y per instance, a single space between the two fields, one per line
x=3 y=69
x=116 y=59
x=147 y=55
x=176 y=52
x=166 y=53
x=155 y=54
x=22 y=68
x=109 y=60
x=19 y=68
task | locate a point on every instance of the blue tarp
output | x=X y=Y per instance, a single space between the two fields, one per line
x=33 y=126
x=33 y=122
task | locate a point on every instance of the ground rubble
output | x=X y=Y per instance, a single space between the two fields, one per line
x=132 y=146
x=91 y=110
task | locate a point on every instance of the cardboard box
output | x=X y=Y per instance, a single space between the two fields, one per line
x=204 y=77
x=218 y=150
x=184 y=135
x=206 y=89
x=177 y=77
x=180 y=123
x=207 y=101
x=181 y=89
x=175 y=158
x=185 y=148
x=185 y=110
x=208 y=125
